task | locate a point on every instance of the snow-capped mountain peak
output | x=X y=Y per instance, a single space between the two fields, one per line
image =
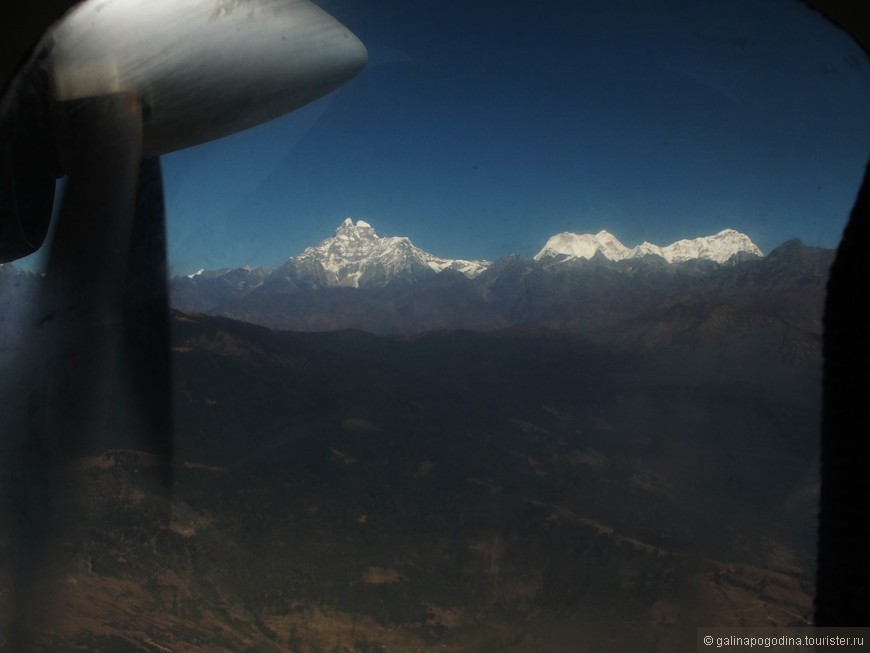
x=361 y=228
x=718 y=247
x=647 y=248
x=356 y=256
x=584 y=246
x=360 y=224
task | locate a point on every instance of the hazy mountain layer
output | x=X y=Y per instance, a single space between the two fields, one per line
x=577 y=294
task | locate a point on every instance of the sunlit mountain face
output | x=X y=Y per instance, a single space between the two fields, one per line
x=720 y=247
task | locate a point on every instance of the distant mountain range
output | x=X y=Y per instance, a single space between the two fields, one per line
x=578 y=282
x=356 y=257
x=723 y=247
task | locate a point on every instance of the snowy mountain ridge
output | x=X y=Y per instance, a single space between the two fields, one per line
x=719 y=247
x=355 y=256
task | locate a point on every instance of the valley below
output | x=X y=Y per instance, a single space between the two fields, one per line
x=639 y=462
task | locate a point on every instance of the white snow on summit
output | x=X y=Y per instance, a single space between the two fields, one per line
x=584 y=246
x=356 y=256
x=648 y=249
x=719 y=247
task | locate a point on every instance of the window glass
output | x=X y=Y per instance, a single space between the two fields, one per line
x=511 y=343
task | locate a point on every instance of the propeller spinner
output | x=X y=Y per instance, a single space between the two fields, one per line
x=201 y=69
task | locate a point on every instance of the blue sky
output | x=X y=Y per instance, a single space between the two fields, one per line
x=480 y=129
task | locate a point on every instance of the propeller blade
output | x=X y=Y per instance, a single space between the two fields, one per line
x=75 y=343
x=114 y=81
x=100 y=147
x=147 y=325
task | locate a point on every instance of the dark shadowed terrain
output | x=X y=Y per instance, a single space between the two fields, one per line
x=623 y=455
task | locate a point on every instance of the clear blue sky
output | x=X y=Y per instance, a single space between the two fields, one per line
x=482 y=128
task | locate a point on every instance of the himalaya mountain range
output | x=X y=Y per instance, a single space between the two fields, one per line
x=355 y=256
x=724 y=247
x=580 y=282
x=516 y=453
